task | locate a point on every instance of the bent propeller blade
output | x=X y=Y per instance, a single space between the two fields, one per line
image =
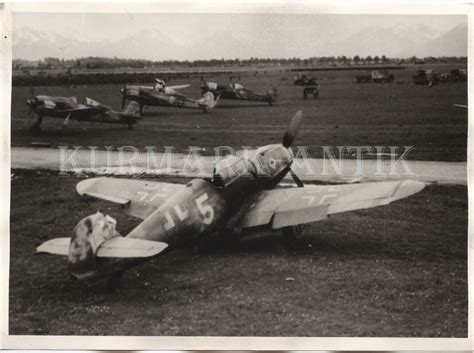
x=292 y=129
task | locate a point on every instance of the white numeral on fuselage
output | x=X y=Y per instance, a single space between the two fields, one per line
x=205 y=210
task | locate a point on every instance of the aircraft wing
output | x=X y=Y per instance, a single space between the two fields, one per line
x=178 y=87
x=81 y=108
x=91 y=103
x=285 y=207
x=48 y=103
x=140 y=197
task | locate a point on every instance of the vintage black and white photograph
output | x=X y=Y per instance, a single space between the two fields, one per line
x=248 y=174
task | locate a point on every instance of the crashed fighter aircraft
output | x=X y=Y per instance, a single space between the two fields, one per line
x=161 y=95
x=243 y=194
x=238 y=92
x=69 y=109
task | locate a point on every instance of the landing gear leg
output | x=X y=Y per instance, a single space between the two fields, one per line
x=130 y=126
x=36 y=127
x=114 y=281
x=290 y=234
x=141 y=109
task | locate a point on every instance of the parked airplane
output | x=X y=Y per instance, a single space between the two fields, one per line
x=162 y=95
x=69 y=109
x=238 y=92
x=243 y=193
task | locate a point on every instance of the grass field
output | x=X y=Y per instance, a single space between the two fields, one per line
x=395 y=271
x=346 y=114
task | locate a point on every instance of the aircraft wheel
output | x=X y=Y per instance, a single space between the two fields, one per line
x=290 y=233
x=114 y=280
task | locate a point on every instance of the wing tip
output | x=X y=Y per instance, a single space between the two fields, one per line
x=84 y=185
x=408 y=188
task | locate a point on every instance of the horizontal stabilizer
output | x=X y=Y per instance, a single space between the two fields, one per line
x=117 y=247
x=110 y=198
x=93 y=103
x=129 y=247
x=58 y=246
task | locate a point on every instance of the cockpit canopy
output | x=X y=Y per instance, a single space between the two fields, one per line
x=237 y=86
x=229 y=169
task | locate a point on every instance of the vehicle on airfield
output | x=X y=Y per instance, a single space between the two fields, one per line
x=376 y=76
x=426 y=77
x=363 y=78
x=161 y=95
x=236 y=91
x=458 y=75
x=382 y=76
x=68 y=108
x=313 y=90
x=305 y=80
x=244 y=193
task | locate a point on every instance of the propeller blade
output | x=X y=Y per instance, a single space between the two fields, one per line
x=295 y=177
x=292 y=129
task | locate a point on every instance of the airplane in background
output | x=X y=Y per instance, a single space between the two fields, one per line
x=68 y=108
x=236 y=91
x=161 y=95
x=244 y=193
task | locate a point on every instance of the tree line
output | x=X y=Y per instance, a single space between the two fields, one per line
x=94 y=63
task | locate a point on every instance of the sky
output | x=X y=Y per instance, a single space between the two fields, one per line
x=265 y=34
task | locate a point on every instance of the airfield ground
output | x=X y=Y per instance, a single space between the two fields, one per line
x=394 y=271
x=346 y=114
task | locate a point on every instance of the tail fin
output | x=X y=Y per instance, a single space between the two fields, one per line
x=132 y=109
x=272 y=92
x=207 y=101
x=95 y=237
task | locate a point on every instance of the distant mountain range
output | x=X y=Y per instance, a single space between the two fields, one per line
x=397 y=41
